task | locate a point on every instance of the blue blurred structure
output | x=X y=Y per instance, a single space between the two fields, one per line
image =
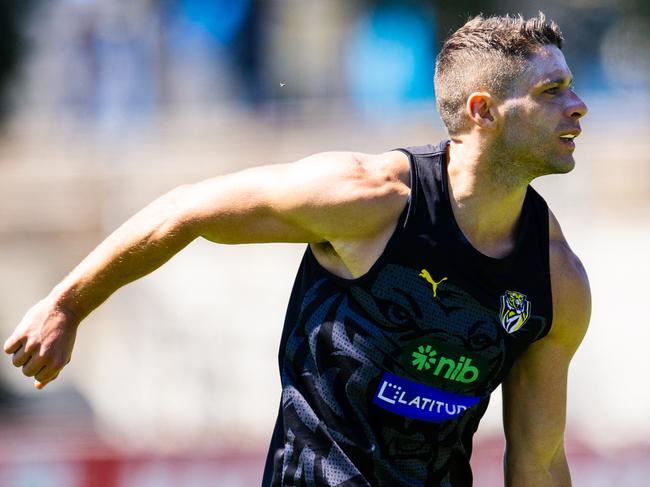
x=390 y=57
x=219 y=19
x=218 y=38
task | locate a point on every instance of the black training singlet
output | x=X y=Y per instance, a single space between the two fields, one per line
x=385 y=377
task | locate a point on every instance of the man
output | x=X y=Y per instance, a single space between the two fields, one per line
x=432 y=275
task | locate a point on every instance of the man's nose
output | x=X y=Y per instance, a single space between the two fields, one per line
x=576 y=108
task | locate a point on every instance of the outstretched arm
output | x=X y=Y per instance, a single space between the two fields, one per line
x=329 y=197
x=534 y=393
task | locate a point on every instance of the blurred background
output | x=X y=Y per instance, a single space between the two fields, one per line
x=107 y=104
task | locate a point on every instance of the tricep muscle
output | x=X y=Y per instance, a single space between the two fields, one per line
x=324 y=197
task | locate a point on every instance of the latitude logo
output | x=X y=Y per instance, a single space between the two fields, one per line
x=418 y=401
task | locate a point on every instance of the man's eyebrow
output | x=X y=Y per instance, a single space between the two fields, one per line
x=560 y=80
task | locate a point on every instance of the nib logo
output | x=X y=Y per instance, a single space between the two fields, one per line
x=423 y=358
x=458 y=368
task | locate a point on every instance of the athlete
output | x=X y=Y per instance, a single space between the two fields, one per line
x=432 y=274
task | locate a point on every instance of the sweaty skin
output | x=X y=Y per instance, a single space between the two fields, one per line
x=346 y=206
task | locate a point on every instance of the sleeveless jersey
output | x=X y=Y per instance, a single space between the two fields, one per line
x=385 y=377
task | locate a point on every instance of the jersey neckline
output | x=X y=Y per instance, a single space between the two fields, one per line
x=458 y=233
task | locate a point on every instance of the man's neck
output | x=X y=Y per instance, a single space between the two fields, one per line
x=486 y=208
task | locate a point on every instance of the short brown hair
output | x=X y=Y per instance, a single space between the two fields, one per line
x=487 y=53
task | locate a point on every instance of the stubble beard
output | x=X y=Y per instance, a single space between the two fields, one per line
x=515 y=163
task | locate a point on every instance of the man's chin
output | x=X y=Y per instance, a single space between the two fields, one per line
x=555 y=167
x=562 y=165
x=566 y=165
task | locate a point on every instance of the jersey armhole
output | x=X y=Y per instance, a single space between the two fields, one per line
x=412 y=202
x=543 y=213
x=385 y=254
x=404 y=218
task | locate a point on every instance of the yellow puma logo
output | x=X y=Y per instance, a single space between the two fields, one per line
x=425 y=273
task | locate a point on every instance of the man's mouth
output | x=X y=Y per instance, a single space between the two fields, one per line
x=568 y=137
x=570 y=134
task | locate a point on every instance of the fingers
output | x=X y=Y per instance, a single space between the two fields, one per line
x=25 y=358
x=42 y=342
x=44 y=376
x=12 y=344
x=33 y=366
x=21 y=357
x=42 y=373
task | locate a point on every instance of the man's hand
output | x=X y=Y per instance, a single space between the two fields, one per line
x=42 y=342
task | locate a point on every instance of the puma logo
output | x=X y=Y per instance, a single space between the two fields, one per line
x=425 y=273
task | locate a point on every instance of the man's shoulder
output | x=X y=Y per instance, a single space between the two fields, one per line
x=570 y=287
x=561 y=254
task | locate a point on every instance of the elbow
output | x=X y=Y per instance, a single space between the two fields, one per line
x=174 y=217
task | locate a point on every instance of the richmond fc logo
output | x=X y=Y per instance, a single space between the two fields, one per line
x=515 y=310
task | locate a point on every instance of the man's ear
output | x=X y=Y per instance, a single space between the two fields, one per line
x=480 y=109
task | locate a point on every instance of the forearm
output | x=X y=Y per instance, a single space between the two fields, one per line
x=533 y=472
x=139 y=246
